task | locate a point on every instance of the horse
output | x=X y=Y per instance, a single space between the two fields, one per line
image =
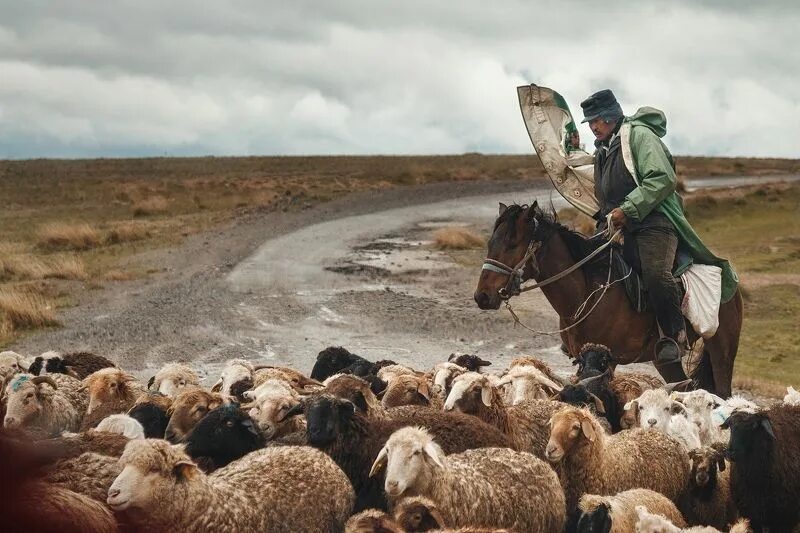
x=528 y=243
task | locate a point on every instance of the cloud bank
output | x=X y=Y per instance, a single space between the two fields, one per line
x=147 y=78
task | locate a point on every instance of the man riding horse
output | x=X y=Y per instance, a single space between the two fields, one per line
x=647 y=208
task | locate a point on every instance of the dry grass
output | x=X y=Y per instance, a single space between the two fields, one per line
x=66 y=267
x=60 y=236
x=153 y=205
x=127 y=232
x=456 y=238
x=120 y=275
x=31 y=267
x=25 y=310
x=576 y=220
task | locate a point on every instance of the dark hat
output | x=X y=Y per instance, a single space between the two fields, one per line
x=601 y=104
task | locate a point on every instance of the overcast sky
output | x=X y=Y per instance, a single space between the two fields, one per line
x=180 y=77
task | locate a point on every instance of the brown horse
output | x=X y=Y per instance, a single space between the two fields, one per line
x=630 y=335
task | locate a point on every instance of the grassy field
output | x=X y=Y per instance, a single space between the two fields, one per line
x=67 y=224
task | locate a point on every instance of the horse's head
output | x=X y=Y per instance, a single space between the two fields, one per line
x=506 y=265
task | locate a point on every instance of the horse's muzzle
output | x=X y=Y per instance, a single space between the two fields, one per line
x=486 y=301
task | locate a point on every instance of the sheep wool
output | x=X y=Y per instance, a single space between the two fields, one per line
x=597 y=512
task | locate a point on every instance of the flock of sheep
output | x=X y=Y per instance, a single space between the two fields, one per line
x=361 y=446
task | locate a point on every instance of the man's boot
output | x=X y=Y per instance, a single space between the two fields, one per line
x=668 y=354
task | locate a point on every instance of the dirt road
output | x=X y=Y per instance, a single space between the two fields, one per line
x=358 y=272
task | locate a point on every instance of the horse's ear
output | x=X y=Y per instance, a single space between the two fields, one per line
x=503 y=208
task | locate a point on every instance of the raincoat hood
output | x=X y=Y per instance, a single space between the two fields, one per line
x=652 y=118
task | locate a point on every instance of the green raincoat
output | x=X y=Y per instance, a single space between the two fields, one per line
x=653 y=168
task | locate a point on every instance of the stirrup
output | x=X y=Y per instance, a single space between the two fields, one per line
x=667 y=351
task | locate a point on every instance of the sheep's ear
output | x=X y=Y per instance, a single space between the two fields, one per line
x=150 y=382
x=502 y=210
x=556 y=397
x=185 y=470
x=217 y=386
x=630 y=405
x=486 y=395
x=598 y=404
x=380 y=461
x=765 y=423
x=248 y=424
x=360 y=402
x=721 y=463
x=588 y=430
x=677 y=408
x=434 y=452
x=297 y=409
x=423 y=390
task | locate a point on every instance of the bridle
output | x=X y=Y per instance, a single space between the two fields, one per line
x=516 y=275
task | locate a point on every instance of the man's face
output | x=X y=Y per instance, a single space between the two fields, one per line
x=602 y=130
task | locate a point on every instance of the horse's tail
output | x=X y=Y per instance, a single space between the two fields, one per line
x=702 y=375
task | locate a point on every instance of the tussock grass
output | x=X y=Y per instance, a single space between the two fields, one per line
x=31 y=267
x=153 y=205
x=119 y=275
x=127 y=232
x=25 y=310
x=456 y=238
x=576 y=220
x=61 y=236
x=66 y=267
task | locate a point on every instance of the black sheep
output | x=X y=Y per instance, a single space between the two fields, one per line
x=473 y=363
x=223 y=435
x=337 y=360
x=76 y=364
x=152 y=417
x=593 y=360
x=335 y=426
x=764 y=449
x=595 y=391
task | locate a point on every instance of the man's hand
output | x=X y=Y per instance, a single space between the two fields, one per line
x=618 y=217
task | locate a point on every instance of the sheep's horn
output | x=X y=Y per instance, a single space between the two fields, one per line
x=586 y=381
x=261 y=367
x=669 y=387
x=44 y=379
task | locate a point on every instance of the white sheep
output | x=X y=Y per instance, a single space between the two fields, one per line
x=792 y=396
x=273 y=400
x=52 y=403
x=648 y=522
x=700 y=405
x=656 y=410
x=122 y=424
x=282 y=489
x=172 y=378
x=481 y=487
x=237 y=374
x=734 y=403
x=525 y=383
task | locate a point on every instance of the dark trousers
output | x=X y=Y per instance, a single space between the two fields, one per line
x=653 y=250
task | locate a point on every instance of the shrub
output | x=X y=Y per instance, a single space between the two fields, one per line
x=455 y=238
x=60 y=236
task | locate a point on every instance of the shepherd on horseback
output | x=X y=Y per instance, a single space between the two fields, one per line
x=630 y=185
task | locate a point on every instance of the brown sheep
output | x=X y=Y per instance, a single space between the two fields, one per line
x=708 y=499
x=52 y=403
x=357 y=391
x=596 y=463
x=73 y=445
x=408 y=389
x=372 y=521
x=525 y=423
x=417 y=513
x=540 y=365
x=89 y=474
x=627 y=386
x=111 y=385
x=299 y=381
x=187 y=409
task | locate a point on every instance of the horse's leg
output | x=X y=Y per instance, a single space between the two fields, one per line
x=723 y=346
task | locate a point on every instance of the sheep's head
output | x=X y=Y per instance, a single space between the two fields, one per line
x=25 y=396
x=699 y=405
x=153 y=418
x=152 y=472
x=224 y=435
x=648 y=522
x=407 y=389
x=327 y=417
x=654 y=409
x=593 y=359
x=330 y=361
x=445 y=373
x=411 y=458
x=356 y=390
x=751 y=436
x=471 y=393
x=273 y=407
x=525 y=382
x=123 y=425
x=108 y=385
x=706 y=462
x=473 y=363
x=372 y=521
x=580 y=396
x=188 y=408
x=10 y=364
x=236 y=378
x=49 y=363
x=595 y=514
x=172 y=378
x=570 y=428
x=296 y=379
x=418 y=514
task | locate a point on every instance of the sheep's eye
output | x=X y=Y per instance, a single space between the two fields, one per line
x=666 y=409
x=182 y=383
x=113 y=385
x=415 y=452
x=229 y=423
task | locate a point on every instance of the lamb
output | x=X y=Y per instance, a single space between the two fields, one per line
x=708 y=499
x=372 y=521
x=792 y=397
x=187 y=409
x=281 y=489
x=409 y=389
x=77 y=364
x=658 y=411
x=51 y=403
x=274 y=401
x=648 y=522
x=354 y=440
x=476 y=487
x=596 y=463
x=617 y=514
x=112 y=385
x=525 y=424
x=122 y=424
x=764 y=450
x=172 y=378
x=151 y=412
x=223 y=435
